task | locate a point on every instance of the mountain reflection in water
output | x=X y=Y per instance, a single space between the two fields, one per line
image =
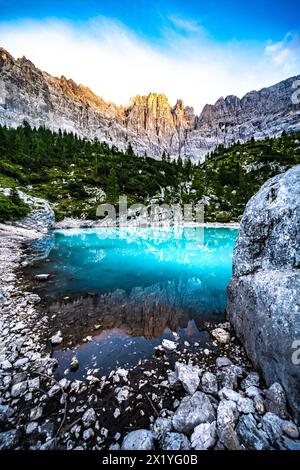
x=129 y=292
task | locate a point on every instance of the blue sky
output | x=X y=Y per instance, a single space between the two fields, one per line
x=197 y=50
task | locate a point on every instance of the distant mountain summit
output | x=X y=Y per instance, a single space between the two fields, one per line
x=149 y=123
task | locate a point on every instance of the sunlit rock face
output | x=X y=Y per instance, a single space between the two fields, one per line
x=149 y=123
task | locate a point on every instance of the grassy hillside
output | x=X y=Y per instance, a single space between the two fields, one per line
x=74 y=174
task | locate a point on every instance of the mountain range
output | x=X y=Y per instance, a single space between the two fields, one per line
x=149 y=123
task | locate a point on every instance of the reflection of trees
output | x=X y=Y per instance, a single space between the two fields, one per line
x=144 y=312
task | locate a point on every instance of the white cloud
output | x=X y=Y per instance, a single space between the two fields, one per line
x=286 y=53
x=117 y=64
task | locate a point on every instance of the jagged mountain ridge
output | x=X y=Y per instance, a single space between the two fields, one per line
x=149 y=123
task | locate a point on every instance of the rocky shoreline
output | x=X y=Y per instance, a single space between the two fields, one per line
x=186 y=397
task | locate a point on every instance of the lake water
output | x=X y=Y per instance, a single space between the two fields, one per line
x=127 y=289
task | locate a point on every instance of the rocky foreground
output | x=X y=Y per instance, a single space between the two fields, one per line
x=187 y=397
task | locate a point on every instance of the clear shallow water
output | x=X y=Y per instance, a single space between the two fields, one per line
x=129 y=288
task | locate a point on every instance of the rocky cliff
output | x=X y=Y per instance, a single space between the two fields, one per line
x=264 y=292
x=149 y=123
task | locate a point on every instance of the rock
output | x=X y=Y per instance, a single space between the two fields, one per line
x=252 y=380
x=209 y=383
x=229 y=437
x=223 y=362
x=252 y=391
x=57 y=338
x=290 y=429
x=138 y=440
x=114 y=446
x=272 y=425
x=188 y=375
x=276 y=400
x=161 y=427
x=19 y=389
x=89 y=418
x=221 y=335
x=228 y=376
x=36 y=413
x=263 y=294
x=290 y=444
x=31 y=427
x=227 y=413
x=249 y=435
x=259 y=404
x=53 y=390
x=9 y=439
x=167 y=344
x=123 y=394
x=5 y=412
x=41 y=277
x=193 y=410
x=175 y=441
x=88 y=434
x=6 y=365
x=74 y=364
x=21 y=362
x=204 y=436
x=245 y=405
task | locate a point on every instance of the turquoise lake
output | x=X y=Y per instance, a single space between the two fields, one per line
x=116 y=293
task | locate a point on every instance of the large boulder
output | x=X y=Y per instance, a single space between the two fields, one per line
x=264 y=292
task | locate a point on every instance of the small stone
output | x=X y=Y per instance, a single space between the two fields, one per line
x=74 y=364
x=221 y=335
x=53 y=390
x=276 y=400
x=31 y=427
x=57 y=338
x=204 y=436
x=223 y=361
x=117 y=413
x=209 y=383
x=252 y=379
x=123 y=394
x=36 y=413
x=290 y=429
x=41 y=277
x=249 y=435
x=188 y=375
x=9 y=439
x=259 y=404
x=193 y=410
x=227 y=413
x=161 y=426
x=5 y=365
x=140 y=439
x=175 y=441
x=19 y=389
x=167 y=344
x=229 y=438
x=88 y=434
x=89 y=418
x=272 y=425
